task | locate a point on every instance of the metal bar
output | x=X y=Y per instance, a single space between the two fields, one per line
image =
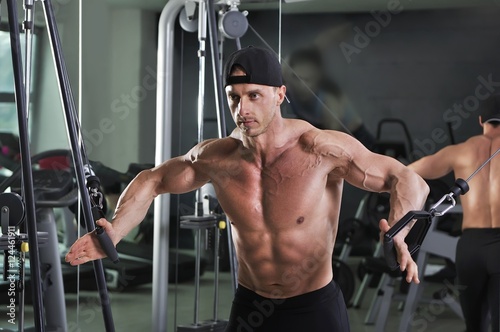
x=164 y=96
x=217 y=71
x=202 y=37
x=216 y=271
x=219 y=102
x=28 y=25
x=197 y=278
x=27 y=175
x=76 y=149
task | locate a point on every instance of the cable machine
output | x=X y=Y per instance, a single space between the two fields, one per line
x=88 y=183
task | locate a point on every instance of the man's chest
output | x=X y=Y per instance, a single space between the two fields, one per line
x=287 y=190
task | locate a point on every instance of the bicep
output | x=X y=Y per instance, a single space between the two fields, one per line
x=363 y=168
x=379 y=173
x=177 y=176
x=373 y=172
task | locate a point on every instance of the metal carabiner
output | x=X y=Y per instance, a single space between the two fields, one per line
x=449 y=197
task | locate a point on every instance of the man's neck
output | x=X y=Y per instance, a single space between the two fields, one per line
x=266 y=146
x=491 y=131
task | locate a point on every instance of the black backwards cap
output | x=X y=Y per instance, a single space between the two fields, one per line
x=491 y=109
x=260 y=65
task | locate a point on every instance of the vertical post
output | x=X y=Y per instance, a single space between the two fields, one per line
x=197 y=278
x=27 y=176
x=202 y=37
x=216 y=270
x=164 y=95
x=72 y=127
x=219 y=94
x=216 y=67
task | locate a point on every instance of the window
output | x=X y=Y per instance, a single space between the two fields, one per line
x=8 y=116
x=8 y=112
x=9 y=130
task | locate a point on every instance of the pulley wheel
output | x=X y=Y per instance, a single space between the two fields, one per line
x=11 y=205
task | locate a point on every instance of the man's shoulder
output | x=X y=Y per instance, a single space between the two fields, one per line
x=328 y=142
x=313 y=134
x=475 y=143
x=214 y=148
x=223 y=145
x=471 y=149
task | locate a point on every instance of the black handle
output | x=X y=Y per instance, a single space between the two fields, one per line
x=107 y=244
x=104 y=240
x=390 y=253
x=414 y=238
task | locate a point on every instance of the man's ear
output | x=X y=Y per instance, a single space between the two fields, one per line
x=480 y=121
x=281 y=95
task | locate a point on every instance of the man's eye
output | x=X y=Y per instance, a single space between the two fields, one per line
x=254 y=95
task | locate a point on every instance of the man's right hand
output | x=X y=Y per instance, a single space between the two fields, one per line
x=87 y=248
x=406 y=262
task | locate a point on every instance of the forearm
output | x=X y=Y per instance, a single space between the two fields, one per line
x=134 y=204
x=408 y=192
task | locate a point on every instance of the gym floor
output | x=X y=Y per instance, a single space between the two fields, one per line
x=132 y=308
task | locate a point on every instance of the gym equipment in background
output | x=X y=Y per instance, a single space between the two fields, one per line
x=390 y=147
x=372 y=267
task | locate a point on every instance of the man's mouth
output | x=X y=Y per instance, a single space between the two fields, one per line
x=246 y=122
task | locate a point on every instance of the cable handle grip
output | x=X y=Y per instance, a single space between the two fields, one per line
x=461 y=187
x=93 y=184
x=104 y=240
x=413 y=239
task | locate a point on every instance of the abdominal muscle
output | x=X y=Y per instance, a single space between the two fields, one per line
x=286 y=263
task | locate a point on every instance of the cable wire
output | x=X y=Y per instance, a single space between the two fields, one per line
x=80 y=102
x=346 y=129
x=482 y=165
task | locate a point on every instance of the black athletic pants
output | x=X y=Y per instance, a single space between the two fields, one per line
x=322 y=310
x=478 y=277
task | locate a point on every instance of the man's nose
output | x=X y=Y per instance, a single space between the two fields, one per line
x=243 y=107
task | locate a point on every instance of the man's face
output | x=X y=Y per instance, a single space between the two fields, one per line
x=253 y=106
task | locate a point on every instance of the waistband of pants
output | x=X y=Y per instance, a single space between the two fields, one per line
x=316 y=297
x=481 y=231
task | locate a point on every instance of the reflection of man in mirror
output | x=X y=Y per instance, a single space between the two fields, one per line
x=316 y=98
x=478 y=267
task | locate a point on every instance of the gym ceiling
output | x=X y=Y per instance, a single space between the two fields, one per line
x=322 y=6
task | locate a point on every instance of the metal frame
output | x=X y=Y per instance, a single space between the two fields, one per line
x=81 y=164
x=164 y=95
x=164 y=109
